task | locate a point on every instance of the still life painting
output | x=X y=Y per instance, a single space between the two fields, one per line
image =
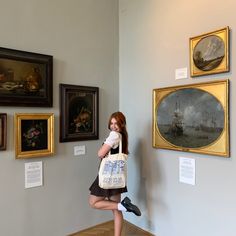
x=78 y=112
x=34 y=134
x=25 y=78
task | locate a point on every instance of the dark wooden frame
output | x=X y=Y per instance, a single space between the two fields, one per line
x=25 y=78
x=3 y=133
x=78 y=103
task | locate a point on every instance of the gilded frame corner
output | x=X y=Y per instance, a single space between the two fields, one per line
x=209 y=53
x=208 y=139
x=34 y=135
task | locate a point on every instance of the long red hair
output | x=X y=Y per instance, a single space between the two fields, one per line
x=121 y=122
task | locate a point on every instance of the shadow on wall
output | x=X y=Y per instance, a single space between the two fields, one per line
x=146 y=162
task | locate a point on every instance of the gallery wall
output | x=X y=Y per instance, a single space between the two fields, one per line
x=154 y=42
x=82 y=37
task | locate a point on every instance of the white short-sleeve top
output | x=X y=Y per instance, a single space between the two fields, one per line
x=113 y=139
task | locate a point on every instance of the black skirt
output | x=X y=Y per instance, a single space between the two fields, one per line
x=100 y=192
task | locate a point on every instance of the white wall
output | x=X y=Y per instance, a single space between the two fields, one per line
x=154 y=41
x=82 y=36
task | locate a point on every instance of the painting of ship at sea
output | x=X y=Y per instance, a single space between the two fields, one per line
x=177 y=125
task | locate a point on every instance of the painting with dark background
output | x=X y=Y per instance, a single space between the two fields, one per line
x=25 y=78
x=78 y=112
x=34 y=135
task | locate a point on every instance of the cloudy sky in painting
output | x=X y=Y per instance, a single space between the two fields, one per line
x=194 y=104
x=211 y=47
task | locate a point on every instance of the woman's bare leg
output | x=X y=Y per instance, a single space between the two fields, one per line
x=118 y=216
x=102 y=203
x=109 y=204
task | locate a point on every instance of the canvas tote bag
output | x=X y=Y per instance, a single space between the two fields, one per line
x=113 y=170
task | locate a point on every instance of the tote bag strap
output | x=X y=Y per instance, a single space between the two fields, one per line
x=120 y=145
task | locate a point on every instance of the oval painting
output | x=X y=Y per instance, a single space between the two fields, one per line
x=190 y=118
x=209 y=53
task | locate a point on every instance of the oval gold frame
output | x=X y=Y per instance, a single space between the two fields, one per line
x=219 y=89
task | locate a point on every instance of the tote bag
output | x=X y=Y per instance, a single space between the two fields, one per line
x=113 y=170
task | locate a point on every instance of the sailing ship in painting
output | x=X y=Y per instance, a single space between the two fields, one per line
x=194 y=121
x=177 y=125
x=208 y=123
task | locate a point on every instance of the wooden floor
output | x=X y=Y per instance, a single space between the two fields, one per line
x=107 y=229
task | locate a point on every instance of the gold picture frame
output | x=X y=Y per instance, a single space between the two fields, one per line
x=209 y=53
x=192 y=118
x=34 y=135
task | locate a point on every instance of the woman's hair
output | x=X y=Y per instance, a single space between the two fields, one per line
x=121 y=122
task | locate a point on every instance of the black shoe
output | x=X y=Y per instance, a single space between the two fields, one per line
x=130 y=207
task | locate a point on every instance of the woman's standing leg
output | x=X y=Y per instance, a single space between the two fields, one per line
x=118 y=216
x=111 y=204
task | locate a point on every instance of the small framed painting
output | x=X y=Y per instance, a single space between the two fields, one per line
x=34 y=135
x=78 y=113
x=209 y=53
x=3 y=131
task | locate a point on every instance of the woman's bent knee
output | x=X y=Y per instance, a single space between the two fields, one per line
x=92 y=203
x=93 y=200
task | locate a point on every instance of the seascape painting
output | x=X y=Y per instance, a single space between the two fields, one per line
x=190 y=118
x=209 y=53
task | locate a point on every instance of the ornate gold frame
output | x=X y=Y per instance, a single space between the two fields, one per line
x=23 y=122
x=223 y=66
x=217 y=89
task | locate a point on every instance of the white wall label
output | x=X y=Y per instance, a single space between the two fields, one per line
x=181 y=73
x=187 y=170
x=79 y=150
x=33 y=174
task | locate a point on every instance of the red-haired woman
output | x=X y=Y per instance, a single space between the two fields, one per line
x=110 y=199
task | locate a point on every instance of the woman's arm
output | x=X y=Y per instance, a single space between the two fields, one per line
x=112 y=141
x=103 y=151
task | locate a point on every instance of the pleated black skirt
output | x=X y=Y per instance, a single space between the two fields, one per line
x=100 y=192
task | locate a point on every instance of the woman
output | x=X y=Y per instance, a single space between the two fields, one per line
x=110 y=199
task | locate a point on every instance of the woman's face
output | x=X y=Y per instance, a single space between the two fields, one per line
x=114 y=126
